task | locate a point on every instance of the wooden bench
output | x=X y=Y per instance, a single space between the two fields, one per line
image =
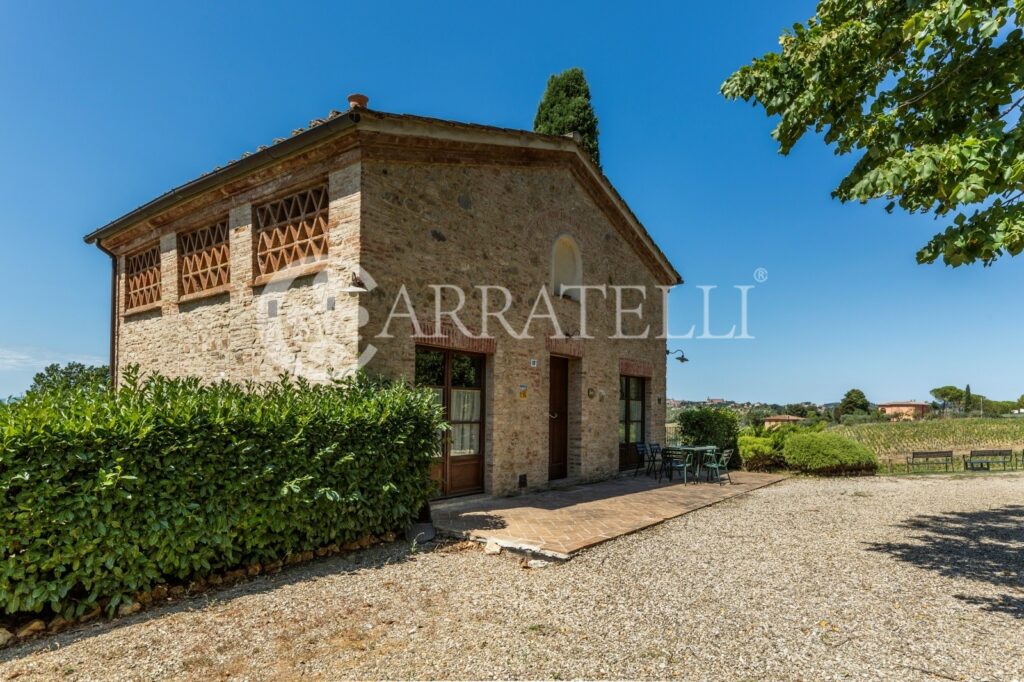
x=983 y=460
x=931 y=458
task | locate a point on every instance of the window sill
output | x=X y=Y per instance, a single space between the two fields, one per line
x=138 y=310
x=290 y=273
x=206 y=293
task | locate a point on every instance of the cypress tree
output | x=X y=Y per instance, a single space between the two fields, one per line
x=565 y=108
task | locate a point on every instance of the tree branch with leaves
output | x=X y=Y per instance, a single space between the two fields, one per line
x=928 y=94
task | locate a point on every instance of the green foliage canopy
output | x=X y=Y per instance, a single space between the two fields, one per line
x=71 y=376
x=796 y=409
x=963 y=399
x=566 y=108
x=992 y=407
x=756 y=415
x=854 y=401
x=950 y=395
x=709 y=426
x=927 y=93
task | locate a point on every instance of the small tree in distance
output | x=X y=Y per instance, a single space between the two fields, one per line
x=853 y=402
x=948 y=394
x=71 y=376
x=565 y=108
x=796 y=409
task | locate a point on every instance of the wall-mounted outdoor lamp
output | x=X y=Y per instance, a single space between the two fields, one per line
x=355 y=285
x=682 y=356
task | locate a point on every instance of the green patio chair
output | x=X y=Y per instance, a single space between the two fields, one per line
x=643 y=457
x=718 y=464
x=654 y=461
x=674 y=461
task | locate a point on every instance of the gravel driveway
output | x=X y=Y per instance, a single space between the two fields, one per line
x=881 y=578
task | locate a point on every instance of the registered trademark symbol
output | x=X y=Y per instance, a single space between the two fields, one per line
x=761 y=275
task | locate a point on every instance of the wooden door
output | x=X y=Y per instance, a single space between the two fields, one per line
x=457 y=380
x=558 y=419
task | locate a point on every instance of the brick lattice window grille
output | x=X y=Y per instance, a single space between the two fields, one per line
x=291 y=231
x=142 y=278
x=204 y=259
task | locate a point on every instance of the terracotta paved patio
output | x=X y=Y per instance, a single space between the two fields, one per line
x=560 y=523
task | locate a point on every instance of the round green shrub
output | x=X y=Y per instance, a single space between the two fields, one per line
x=827 y=454
x=759 y=454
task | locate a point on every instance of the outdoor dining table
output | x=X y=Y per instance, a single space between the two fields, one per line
x=700 y=451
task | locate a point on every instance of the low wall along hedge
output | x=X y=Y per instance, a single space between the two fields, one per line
x=827 y=454
x=106 y=494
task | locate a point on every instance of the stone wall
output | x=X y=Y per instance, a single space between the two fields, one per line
x=422 y=223
x=254 y=332
x=433 y=224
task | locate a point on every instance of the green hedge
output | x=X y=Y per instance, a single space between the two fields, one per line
x=828 y=454
x=105 y=494
x=760 y=454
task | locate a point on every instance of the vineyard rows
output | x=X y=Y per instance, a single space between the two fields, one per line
x=896 y=440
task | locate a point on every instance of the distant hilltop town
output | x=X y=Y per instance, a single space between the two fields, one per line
x=677 y=404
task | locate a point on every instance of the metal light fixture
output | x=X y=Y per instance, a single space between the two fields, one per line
x=682 y=356
x=355 y=286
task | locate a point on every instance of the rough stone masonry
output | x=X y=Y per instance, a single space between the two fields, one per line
x=418 y=203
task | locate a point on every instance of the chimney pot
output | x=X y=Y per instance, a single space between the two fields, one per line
x=357 y=100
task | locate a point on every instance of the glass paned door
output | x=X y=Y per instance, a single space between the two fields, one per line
x=632 y=418
x=457 y=380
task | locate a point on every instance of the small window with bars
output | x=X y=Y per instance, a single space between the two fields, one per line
x=204 y=259
x=142 y=278
x=291 y=231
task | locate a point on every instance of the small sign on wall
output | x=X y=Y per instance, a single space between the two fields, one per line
x=522 y=391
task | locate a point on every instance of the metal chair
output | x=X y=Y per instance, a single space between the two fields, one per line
x=677 y=462
x=718 y=464
x=643 y=454
x=655 y=459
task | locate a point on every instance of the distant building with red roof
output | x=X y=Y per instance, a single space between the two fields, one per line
x=908 y=410
x=780 y=419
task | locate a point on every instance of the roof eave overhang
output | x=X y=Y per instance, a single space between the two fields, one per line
x=407 y=124
x=273 y=154
x=673 y=277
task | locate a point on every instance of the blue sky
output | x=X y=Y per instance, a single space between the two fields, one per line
x=103 y=108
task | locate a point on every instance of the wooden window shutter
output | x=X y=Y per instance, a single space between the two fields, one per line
x=291 y=231
x=204 y=259
x=142 y=277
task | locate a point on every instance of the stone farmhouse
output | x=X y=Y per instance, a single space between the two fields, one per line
x=905 y=410
x=777 y=420
x=338 y=247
